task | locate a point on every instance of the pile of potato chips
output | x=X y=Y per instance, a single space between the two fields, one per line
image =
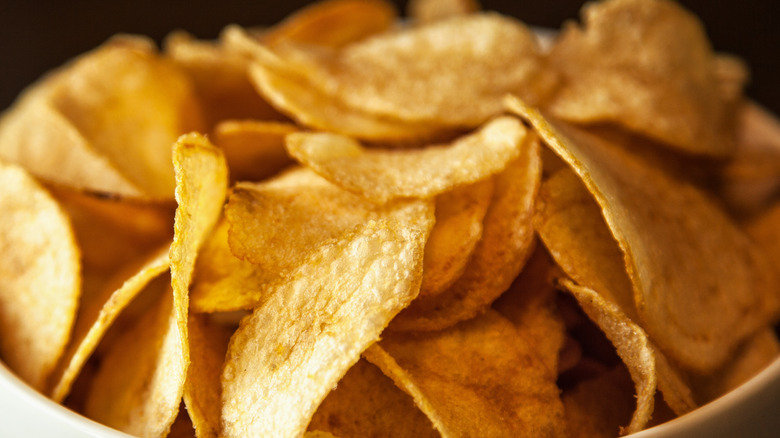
x=358 y=224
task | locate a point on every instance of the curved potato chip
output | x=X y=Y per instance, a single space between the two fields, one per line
x=120 y=107
x=368 y=404
x=40 y=286
x=334 y=23
x=458 y=229
x=477 y=378
x=138 y=387
x=254 y=150
x=290 y=352
x=456 y=54
x=648 y=66
x=96 y=317
x=702 y=287
x=382 y=175
x=632 y=346
x=507 y=243
x=220 y=77
x=596 y=408
x=427 y=11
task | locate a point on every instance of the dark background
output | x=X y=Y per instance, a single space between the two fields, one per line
x=37 y=35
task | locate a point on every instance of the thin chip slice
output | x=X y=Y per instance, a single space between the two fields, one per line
x=428 y=11
x=96 y=316
x=458 y=229
x=483 y=56
x=368 y=404
x=290 y=352
x=507 y=243
x=648 y=66
x=118 y=108
x=334 y=23
x=201 y=188
x=203 y=390
x=138 y=387
x=698 y=295
x=382 y=175
x=41 y=284
x=220 y=77
x=596 y=408
x=254 y=150
x=477 y=378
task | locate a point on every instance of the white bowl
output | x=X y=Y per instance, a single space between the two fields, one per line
x=752 y=410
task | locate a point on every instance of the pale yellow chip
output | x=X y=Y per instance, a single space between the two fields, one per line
x=506 y=244
x=367 y=403
x=105 y=122
x=458 y=229
x=41 y=285
x=701 y=287
x=138 y=387
x=334 y=23
x=382 y=175
x=646 y=65
x=254 y=149
x=290 y=352
x=97 y=315
x=477 y=378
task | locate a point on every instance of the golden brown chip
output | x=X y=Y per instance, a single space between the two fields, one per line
x=290 y=352
x=458 y=229
x=507 y=242
x=254 y=150
x=105 y=122
x=698 y=295
x=477 y=378
x=334 y=23
x=41 y=285
x=139 y=384
x=427 y=11
x=368 y=404
x=632 y=345
x=648 y=66
x=220 y=77
x=96 y=316
x=203 y=390
x=382 y=175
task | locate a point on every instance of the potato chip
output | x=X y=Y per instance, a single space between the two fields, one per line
x=467 y=379
x=96 y=316
x=105 y=122
x=458 y=229
x=254 y=150
x=507 y=242
x=138 y=387
x=220 y=77
x=382 y=175
x=367 y=403
x=290 y=352
x=632 y=346
x=334 y=23
x=697 y=295
x=203 y=390
x=40 y=287
x=646 y=65
x=427 y=11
